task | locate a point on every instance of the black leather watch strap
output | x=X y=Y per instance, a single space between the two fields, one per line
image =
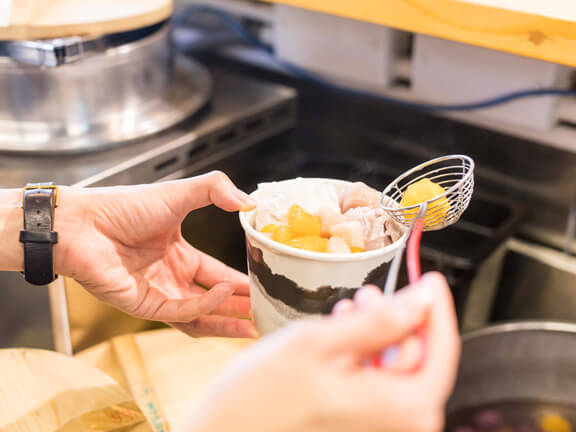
x=38 y=203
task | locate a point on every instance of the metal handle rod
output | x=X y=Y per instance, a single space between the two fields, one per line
x=389 y=355
x=392 y=277
x=60 y=319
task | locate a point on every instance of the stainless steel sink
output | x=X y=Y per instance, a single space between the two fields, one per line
x=538 y=283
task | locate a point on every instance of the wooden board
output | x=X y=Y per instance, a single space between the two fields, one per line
x=166 y=371
x=34 y=19
x=45 y=391
x=561 y=9
x=474 y=21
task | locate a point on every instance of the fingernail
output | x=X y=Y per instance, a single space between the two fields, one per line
x=431 y=278
x=415 y=297
x=342 y=307
x=366 y=296
x=254 y=333
x=248 y=203
x=246 y=207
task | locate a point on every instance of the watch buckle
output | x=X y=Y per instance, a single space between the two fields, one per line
x=33 y=187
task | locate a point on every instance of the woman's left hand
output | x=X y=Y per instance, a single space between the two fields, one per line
x=124 y=245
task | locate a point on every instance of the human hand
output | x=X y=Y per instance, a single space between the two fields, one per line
x=316 y=376
x=124 y=245
x=403 y=357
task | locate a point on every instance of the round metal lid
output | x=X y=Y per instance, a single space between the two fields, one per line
x=33 y=20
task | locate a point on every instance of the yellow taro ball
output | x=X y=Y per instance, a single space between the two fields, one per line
x=302 y=223
x=282 y=234
x=355 y=249
x=554 y=423
x=310 y=243
x=425 y=190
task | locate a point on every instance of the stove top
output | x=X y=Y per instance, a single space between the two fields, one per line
x=242 y=112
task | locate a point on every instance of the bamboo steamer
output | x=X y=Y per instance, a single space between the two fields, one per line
x=46 y=19
x=44 y=391
x=166 y=371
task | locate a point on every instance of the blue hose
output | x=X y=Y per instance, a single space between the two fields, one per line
x=237 y=27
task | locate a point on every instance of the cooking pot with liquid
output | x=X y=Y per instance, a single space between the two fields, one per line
x=516 y=377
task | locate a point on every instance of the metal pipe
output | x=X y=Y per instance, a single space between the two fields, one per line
x=60 y=319
x=570 y=227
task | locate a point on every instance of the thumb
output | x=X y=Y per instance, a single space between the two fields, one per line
x=386 y=321
x=213 y=188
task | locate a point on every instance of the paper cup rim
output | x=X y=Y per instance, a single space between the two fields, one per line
x=310 y=255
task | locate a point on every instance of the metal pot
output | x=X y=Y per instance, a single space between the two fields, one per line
x=81 y=95
x=515 y=369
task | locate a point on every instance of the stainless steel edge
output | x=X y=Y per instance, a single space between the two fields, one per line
x=520 y=326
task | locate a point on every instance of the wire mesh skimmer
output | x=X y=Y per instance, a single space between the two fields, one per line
x=455 y=173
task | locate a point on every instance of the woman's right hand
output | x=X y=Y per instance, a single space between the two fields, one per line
x=315 y=376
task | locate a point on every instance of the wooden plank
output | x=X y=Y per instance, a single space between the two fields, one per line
x=561 y=9
x=471 y=22
x=164 y=369
x=44 y=391
x=32 y=19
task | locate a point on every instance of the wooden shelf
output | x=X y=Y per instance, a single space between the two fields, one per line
x=526 y=27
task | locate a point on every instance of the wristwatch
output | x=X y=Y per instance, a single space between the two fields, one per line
x=38 y=203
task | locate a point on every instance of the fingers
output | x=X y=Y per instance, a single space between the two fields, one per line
x=343 y=307
x=186 y=310
x=211 y=272
x=385 y=321
x=364 y=296
x=234 y=306
x=367 y=296
x=442 y=342
x=212 y=188
x=218 y=326
x=402 y=358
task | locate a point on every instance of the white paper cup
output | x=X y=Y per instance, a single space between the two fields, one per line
x=288 y=283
